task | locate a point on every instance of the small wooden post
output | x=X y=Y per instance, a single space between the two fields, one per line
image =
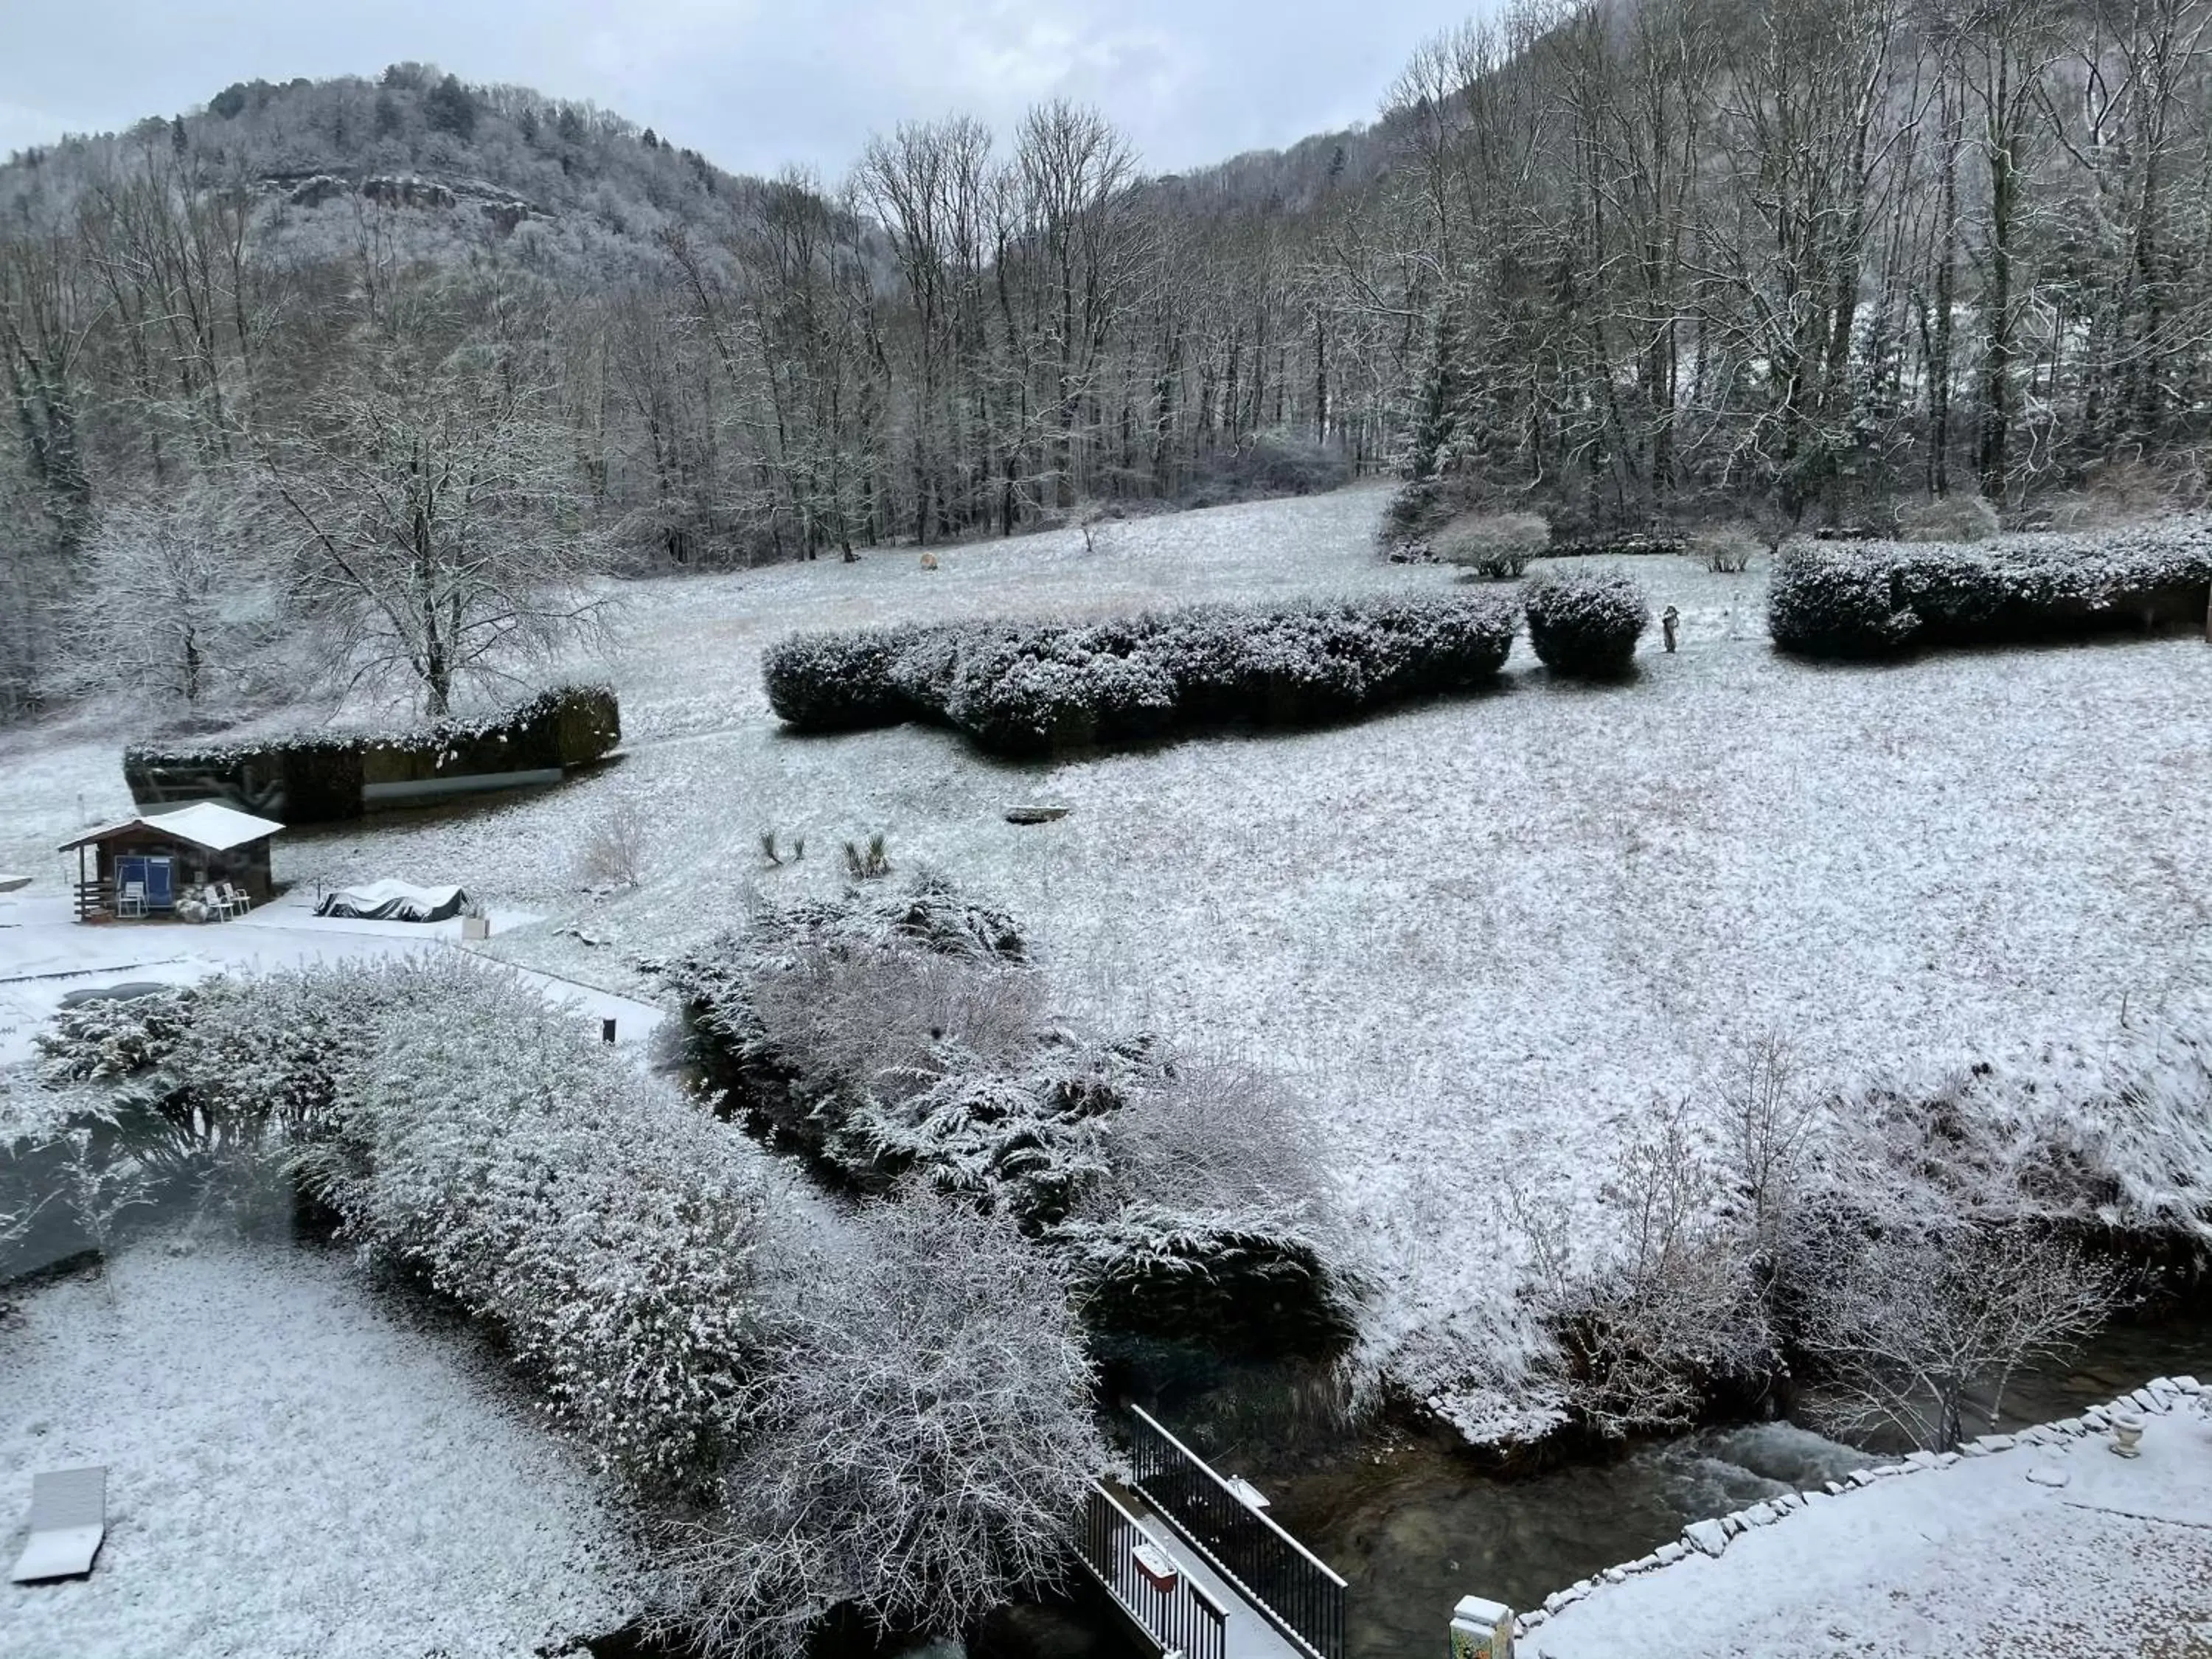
x=606 y=1030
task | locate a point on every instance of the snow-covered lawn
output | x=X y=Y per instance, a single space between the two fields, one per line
x=290 y=1471
x=1481 y=934
x=2057 y=1548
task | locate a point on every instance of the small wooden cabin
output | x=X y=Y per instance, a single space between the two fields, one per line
x=170 y=854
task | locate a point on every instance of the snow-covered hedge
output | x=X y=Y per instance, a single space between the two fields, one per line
x=319 y=775
x=1023 y=688
x=466 y=1132
x=1587 y=621
x=1036 y=690
x=1885 y=599
x=827 y=682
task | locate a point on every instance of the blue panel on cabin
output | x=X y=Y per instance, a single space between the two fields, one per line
x=158 y=891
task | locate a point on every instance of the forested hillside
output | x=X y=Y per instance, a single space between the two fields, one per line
x=372 y=373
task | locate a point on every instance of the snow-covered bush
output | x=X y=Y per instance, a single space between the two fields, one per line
x=1587 y=622
x=1947 y=519
x=915 y=1447
x=1827 y=600
x=830 y=682
x=1882 y=599
x=1436 y=644
x=1210 y=1215
x=986 y=1136
x=613 y=851
x=465 y=1131
x=1293 y=666
x=914 y=1048
x=1498 y=545
x=1669 y=1309
x=845 y=1022
x=604 y=1223
x=110 y=1037
x=1728 y=549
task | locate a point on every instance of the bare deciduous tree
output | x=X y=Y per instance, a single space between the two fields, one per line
x=1910 y=1318
x=169 y=605
x=438 y=525
x=1670 y=1305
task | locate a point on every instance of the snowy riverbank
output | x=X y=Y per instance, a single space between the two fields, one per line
x=290 y=1471
x=2044 y=1541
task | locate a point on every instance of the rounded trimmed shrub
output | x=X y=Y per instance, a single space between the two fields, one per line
x=1587 y=622
x=837 y=681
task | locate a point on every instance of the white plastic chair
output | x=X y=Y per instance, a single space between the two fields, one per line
x=130 y=901
x=236 y=900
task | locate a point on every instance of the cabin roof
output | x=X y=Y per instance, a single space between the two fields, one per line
x=205 y=824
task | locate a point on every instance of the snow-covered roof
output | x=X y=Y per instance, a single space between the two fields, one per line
x=205 y=824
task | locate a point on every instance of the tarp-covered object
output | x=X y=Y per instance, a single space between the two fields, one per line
x=393 y=901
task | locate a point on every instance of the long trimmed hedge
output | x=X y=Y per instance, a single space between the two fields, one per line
x=316 y=776
x=1878 y=598
x=1019 y=688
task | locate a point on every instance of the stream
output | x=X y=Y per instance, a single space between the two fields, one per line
x=1413 y=1524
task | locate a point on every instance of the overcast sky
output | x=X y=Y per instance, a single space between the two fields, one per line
x=752 y=85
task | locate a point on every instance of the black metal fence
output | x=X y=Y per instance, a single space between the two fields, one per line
x=1182 y=1620
x=1303 y=1597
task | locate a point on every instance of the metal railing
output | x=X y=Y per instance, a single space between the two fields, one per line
x=1301 y=1597
x=1184 y=1620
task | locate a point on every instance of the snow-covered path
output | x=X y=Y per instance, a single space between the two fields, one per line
x=2051 y=1546
x=290 y=1472
x=45 y=954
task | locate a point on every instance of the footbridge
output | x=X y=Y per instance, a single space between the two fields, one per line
x=1195 y=1563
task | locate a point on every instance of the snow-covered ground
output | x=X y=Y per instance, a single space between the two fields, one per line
x=45 y=954
x=290 y=1471
x=2050 y=1545
x=1482 y=935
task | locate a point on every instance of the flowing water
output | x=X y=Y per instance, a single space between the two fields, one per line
x=1413 y=1524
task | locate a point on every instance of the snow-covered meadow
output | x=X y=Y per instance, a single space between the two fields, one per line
x=291 y=1471
x=1481 y=935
